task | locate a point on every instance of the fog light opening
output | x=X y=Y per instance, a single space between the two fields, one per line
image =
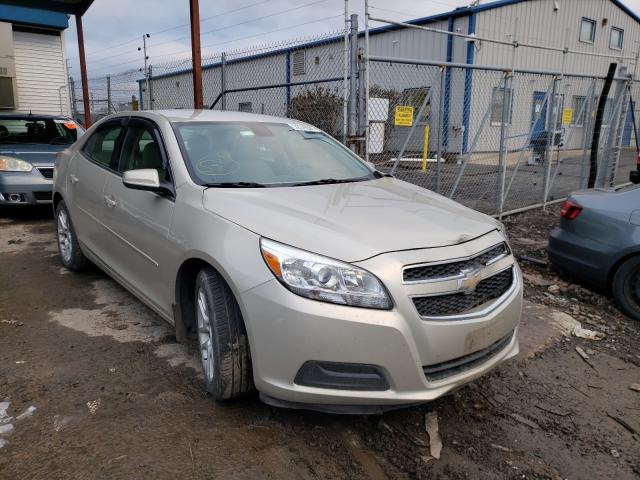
x=14 y=197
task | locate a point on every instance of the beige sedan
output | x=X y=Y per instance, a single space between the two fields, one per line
x=302 y=271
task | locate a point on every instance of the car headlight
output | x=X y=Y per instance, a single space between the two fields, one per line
x=321 y=278
x=10 y=164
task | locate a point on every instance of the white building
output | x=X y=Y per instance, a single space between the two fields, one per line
x=605 y=27
x=33 y=73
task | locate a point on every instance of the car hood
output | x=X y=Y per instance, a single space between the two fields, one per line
x=350 y=221
x=34 y=153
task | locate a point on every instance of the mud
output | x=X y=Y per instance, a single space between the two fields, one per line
x=115 y=397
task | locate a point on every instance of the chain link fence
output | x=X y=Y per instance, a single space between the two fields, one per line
x=497 y=139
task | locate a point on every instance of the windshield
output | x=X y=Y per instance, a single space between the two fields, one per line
x=252 y=154
x=31 y=130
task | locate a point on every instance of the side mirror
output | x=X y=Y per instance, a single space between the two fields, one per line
x=143 y=179
x=634 y=176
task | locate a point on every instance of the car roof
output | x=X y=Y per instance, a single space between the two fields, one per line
x=27 y=116
x=176 y=116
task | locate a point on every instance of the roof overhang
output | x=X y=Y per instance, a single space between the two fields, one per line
x=69 y=7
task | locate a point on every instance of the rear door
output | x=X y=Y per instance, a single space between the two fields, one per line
x=139 y=221
x=86 y=179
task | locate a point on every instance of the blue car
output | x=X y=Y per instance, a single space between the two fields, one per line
x=28 y=147
x=598 y=241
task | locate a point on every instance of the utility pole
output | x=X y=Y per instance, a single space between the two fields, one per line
x=194 y=13
x=146 y=69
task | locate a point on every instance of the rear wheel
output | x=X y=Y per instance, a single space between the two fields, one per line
x=626 y=287
x=222 y=337
x=68 y=247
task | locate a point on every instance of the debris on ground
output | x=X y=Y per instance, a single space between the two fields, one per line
x=635 y=387
x=585 y=357
x=623 y=422
x=524 y=420
x=568 y=325
x=501 y=448
x=431 y=426
x=93 y=406
x=27 y=413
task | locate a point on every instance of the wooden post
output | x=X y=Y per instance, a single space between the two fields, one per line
x=83 y=73
x=194 y=11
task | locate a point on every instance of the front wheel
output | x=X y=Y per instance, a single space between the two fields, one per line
x=222 y=337
x=626 y=287
x=70 y=254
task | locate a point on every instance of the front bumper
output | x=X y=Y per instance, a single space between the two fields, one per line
x=287 y=330
x=25 y=188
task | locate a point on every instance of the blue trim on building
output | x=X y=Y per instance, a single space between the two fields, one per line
x=447 y=86
x=468 y=84
x=33 y=18
x=287 y=76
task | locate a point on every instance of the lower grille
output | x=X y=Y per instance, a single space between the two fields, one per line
x=47 y=172
x=460 y=365
x=43 y=196
x=457 y=303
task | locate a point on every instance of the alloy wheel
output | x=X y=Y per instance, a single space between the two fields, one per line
x=205 y=335
x=64 y=236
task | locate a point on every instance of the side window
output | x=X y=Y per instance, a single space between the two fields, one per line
x=142 y=150
x=102 y=144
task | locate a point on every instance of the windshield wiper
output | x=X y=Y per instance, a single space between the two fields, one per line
x=328 y=181
x=235 y=185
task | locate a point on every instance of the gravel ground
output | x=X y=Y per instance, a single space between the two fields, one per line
x=114 y=396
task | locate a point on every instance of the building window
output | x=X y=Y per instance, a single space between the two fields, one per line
x=496 y=110
x=298 y=61
x=617 y=38
x=579 y=110
x=587 y=30
x=245 y=107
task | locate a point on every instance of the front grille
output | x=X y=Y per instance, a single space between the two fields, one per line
x=456 y=303
x=452 y=269
x=43 y=196
x=47 y=172
x=460 y=365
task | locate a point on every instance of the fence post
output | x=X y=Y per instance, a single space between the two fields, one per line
x=612 y=134
x=72 y=87
x=108 y=94
x=223 y=80
x=353 y=81
x=362 y=108
x=502 y=161
x=345 y=80
x=366 y=80
x=150 y=83
x=551 y=133
x=587 y=127
x=440 y=115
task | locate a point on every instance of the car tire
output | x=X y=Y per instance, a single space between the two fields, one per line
x=222 y=338
x=71 y=255
x=626 y=287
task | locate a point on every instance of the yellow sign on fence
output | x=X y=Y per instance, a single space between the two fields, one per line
x=567 y=116
x=404 y=116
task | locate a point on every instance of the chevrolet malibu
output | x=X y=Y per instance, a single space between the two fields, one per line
x=303 y=272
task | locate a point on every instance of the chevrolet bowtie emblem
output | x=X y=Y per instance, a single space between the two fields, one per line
x=469 y=280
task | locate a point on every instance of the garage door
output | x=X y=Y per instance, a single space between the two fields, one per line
x=40 y=73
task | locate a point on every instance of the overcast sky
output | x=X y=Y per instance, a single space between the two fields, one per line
x=113 y=28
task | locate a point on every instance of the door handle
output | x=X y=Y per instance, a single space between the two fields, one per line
x=110 y=201
x=73 y=179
